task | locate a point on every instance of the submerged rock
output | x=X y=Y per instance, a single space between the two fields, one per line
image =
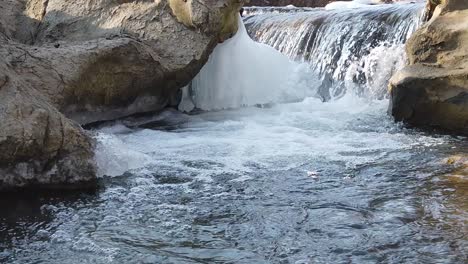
x=433 y=89
x=65 y=63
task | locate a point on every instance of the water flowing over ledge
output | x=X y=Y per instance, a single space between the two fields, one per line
x=354 y=50
x=331 y=53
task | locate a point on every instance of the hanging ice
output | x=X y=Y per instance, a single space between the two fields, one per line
x=242 y=72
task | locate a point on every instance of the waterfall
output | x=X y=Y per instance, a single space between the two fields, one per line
x=350 y=49
x=305 y=52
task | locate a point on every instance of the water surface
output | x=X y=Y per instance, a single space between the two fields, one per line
x=307 y=182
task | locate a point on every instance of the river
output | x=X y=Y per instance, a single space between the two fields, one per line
x=278 y=163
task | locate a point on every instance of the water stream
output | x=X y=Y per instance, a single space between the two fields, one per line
x=352 y=50
x=289 y=157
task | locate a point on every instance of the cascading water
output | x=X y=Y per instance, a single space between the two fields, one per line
x=330 y=52
x=353 y=50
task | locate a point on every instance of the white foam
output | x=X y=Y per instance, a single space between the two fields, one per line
x=114 y=157
x=351 y=4
x=282 y=137
x=379 y=66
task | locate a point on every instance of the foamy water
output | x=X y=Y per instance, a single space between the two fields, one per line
x=288 y=134
x=296 y=182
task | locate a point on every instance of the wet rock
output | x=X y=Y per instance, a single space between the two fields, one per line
x=457 y=180
x=433 y=89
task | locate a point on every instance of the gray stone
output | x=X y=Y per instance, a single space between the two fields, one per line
x=432 y=90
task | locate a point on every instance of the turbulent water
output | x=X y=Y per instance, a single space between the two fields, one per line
x=289 y=179
x=352 y=50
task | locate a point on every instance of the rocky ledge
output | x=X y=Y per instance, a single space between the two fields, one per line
x=66 y=63
x=432 y=91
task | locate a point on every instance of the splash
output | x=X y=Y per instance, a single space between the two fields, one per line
x=113 y=156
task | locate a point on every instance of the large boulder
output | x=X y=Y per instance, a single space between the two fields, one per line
x=38 y=145
x=64 y=63
x=109 y=59
x=91 y=82
x=432 y=91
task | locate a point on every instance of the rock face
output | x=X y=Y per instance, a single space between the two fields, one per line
x=117 y=58
x=65 y=63
x=433 y=89
x=38 y=144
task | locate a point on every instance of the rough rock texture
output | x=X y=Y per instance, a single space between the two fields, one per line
x=38 y=144
x=13 y=23
x=118 y=58
x=91 y=61
x=430 y=8
x=433 y=89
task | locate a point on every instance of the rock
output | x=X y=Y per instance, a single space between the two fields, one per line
x=115 y=59
x=430 y=8
x=91 y=82
x=457 y=176
x=39 y=146
x=432 y=91
x=64 y=63
x=14 y=24
x=119 y=59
